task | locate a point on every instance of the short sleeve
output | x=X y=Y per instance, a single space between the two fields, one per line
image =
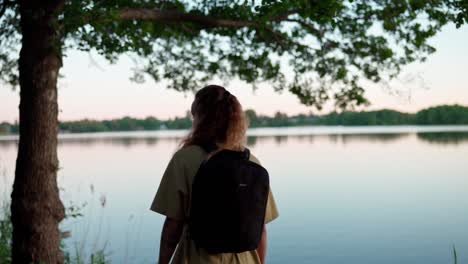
x=172 y=198
x=271 y=210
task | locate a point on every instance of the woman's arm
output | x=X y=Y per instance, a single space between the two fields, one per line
x=170 y=236
x=262 y=247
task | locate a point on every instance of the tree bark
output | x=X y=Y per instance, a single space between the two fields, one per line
x=36 y=207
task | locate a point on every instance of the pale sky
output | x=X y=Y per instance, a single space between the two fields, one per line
x=105 y=91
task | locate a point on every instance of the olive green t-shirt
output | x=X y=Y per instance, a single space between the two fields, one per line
x=173 y=200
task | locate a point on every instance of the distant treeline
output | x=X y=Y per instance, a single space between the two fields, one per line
x=439 y=115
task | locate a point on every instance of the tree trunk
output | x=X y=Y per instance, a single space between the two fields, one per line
x=36 y=207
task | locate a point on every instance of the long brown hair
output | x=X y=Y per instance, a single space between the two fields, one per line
x=218 y=118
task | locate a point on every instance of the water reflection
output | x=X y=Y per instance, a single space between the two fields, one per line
x=370 y=138
x=345 y=196
x=6 y=144
x=444 y=138
x=337 y=138
x=125 y=141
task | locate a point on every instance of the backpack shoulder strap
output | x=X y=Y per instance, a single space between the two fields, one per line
x=209 y=147
x=246 y=153
x=212 y=148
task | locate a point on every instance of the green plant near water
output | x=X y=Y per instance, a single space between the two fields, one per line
x=6 y=231
x=455 y=259
x=74 y=256
x=100 y=256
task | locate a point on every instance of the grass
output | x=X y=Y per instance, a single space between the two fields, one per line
x=73 y=256
x=98 y=257
x=6 y=230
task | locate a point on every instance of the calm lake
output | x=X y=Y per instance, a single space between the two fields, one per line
x=345 y=195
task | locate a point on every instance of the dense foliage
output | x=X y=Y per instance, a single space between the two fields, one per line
x=439 y=115
x=317 y=50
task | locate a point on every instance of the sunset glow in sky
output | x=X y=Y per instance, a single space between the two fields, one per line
x=94 y=89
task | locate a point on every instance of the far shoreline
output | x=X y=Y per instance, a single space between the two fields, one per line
x=437 y=115
x=269 y=131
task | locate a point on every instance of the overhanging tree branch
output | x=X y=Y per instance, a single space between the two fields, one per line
x=285 y=16
x=346 y=50
x=309 y=26
x=169 y=16
x=4 y=6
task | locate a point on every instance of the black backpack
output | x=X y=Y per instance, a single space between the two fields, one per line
x=229 y=199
